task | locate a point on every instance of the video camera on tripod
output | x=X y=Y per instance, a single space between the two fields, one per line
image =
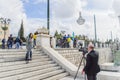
x=82 y=49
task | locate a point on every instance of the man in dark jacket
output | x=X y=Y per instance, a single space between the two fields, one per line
x=91 y=68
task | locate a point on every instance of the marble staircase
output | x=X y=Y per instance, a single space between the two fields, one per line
x=41 y=67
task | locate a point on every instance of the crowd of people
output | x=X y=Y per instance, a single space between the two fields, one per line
x=16 y=42
x=30 y=44
x=10 y=42
x=66 y=42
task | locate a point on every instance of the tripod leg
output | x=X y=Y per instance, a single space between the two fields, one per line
x=84 y=66
x=78 y=68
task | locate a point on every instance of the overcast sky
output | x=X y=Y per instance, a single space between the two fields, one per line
x=63 y=16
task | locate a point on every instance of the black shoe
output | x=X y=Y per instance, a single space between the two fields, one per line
x=27 y=61
x=30 y=59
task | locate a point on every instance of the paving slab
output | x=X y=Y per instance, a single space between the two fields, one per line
x=71 y=78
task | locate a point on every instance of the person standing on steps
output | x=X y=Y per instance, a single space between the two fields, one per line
x=29 y=46
x=34 y=40
x=91 y=68
x=17 y=43
x=11 y=41
x=3 y=43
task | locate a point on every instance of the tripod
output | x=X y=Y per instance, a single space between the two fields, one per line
x=83 y=57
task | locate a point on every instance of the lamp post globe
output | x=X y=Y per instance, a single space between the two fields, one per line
x=80 y=20
x=4 y=24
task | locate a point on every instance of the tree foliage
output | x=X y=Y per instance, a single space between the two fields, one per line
x=4 y=28
x=58 y=35
x=21 y=32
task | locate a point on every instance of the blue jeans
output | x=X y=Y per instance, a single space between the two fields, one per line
x=29 y=55
x=10 y=45
x=17 y=45
x=34 y=42
x=3 y=46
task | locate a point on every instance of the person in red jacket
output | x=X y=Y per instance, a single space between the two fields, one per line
x=91 y=68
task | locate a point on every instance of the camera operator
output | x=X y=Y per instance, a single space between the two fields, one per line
x=91 y=68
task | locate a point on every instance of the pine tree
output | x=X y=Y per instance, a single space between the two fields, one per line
x=56 y=33
x=21 y=32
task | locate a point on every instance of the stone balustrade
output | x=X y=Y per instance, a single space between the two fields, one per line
x=74 y=56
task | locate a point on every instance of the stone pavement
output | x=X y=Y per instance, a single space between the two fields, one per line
x=71 y=78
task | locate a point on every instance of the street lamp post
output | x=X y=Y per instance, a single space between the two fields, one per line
x=48 y=16
x=4 y=23
x=95 y=31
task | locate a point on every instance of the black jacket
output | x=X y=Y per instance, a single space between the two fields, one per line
x=92 y=66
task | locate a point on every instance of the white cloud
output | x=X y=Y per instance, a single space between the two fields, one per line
x=100 y=4
x=116 y=7
x=84 y=3
x=66 y=12
x=65 y=8
x=64 y=15
x=12 y=9
x=34 y=23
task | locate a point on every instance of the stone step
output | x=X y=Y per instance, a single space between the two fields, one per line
x=31 y=74
x=17 y=53
x=72 y=78
x=3 y=64
x=17 y=50
x=57 y=77
x=20 y=58
x=46 y=75
x=30 y=70
x=12 y=50
x=15 y=67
